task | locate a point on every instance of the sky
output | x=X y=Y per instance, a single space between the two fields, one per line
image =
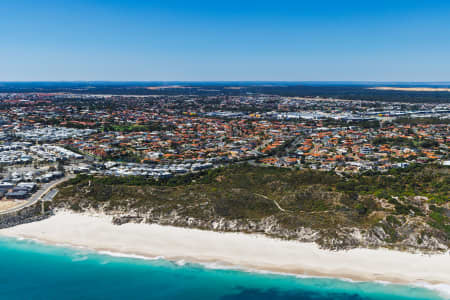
x=172 y=40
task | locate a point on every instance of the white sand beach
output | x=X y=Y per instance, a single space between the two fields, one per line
x=254 y=252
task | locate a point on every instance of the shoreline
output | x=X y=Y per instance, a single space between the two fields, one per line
x=239 y=251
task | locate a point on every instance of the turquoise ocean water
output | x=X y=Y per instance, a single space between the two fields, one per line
x=30 y=270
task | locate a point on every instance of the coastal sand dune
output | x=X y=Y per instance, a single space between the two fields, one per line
x=235 y=249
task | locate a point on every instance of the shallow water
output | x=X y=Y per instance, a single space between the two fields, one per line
x=31 y=270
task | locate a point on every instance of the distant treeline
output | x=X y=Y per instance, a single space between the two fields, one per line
x=344 y=91
x=355 y=93
x=424 y=121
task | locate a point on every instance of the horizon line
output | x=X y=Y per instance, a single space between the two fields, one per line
x=221 y=81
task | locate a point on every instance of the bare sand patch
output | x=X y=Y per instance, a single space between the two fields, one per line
x=7 y=204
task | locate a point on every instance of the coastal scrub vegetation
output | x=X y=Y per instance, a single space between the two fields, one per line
x=390 y=207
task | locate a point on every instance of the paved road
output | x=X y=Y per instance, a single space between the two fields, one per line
x=37 y=195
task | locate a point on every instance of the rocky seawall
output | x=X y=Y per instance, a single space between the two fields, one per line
x=26 y=215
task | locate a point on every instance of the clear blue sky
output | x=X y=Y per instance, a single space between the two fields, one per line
x=294 y=40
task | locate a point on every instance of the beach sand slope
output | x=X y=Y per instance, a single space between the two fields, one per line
x=249 y=251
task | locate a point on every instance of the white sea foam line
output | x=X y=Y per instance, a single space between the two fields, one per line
x=441 y=288
x=180 y=262
x=219 y=266
x=80 y=258
x=127 y=255
x=87 y=249
x=68 y=220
